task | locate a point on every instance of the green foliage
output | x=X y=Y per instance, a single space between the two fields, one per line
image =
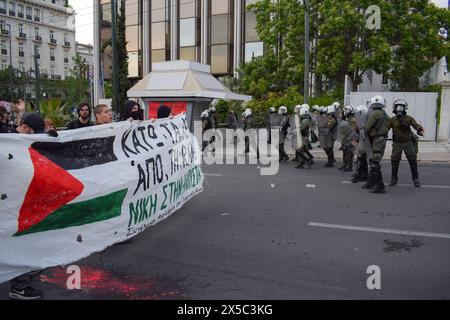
x=409 y=42
x=122 y=57
x=53 y=110
x=12 y=85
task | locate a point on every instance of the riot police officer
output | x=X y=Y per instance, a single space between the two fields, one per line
x=377 y=128
x=404 y=140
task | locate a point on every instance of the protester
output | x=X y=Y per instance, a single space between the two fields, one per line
x=31 y=123
x=133 y=111
x=83 y=120
x=103 y=114
x=164 y=112
x=5 y=121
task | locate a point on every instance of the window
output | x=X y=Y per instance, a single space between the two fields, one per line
x=37 y=14
x=219 y=29
x=20 y=11
x=250 y=27
x=189 y=9
x=66 y=72
x=20 y=28
x=253 y=50
x=4 y=64
x=52 y=35
x=160 y=10
x=385 y=80
x=132 y=13
x=29 y=13
x=3 y=6
x=219 y=7
x=52 y=71
x=52 y=55
x=51 y=18
x=220 y=59
x=12 y=9
x=36 y=32
x=132 y=36
x=188 y=32
x=159 y=35
x=4 y=47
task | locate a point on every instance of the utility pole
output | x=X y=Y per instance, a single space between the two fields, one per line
x=37 y=80
x=306 y=83
x=115 y=76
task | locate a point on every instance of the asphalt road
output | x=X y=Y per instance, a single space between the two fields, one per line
x=249 y=236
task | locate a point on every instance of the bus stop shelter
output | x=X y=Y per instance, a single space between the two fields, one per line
x=184 y=86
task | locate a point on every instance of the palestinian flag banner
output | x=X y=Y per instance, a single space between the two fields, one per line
x=64 y=198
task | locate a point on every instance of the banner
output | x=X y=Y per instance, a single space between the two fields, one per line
x=64 y=198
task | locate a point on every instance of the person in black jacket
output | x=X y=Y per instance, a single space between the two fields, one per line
x=5 y=118
x=84 y=113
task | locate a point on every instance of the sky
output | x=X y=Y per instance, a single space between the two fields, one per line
x=84 y=18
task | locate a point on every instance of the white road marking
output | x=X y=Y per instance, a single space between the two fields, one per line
x=380 y=230
x=213 y=174
x=410 y=185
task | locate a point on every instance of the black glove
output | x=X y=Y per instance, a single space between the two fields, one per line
x=52 y=133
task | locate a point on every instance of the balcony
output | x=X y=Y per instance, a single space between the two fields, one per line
x=20 y=15
x=67 y=44
x=52 y=58
x=56 y=77
x=38 y=38
x=3 y=11
x=5 y=32
x=38 y=56
x=12 y=13
x=44 y=75
x=37 y=19
x=29 y=17
x=4 y=51
x=66 y=60
x=53 y=41
x=22 y=35
x=21 y=54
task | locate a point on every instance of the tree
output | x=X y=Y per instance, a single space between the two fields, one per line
x=409 y=42
x=418 y=41
x=12 y=84
x=280 y=25
x=346 y=46
x=122 y=57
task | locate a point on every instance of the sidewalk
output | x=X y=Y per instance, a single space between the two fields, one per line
x=428 y=152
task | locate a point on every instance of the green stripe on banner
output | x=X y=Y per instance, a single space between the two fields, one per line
x=81 y=213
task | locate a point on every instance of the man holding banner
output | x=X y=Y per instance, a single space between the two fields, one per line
x=86 y=190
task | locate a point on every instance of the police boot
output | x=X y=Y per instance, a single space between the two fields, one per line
x=379 y=185
x=349 y=167
x=370 y=184
x=415 y=173
x=394 y=176
x=330 y=163
x=311 y=157
x=344 y=164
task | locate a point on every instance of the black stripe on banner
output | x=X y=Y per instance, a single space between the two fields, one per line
x=75 y=155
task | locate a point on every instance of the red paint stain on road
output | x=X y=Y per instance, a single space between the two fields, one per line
x=104 y=284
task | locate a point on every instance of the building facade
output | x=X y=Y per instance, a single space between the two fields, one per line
x=220 y=33
x=41 y=28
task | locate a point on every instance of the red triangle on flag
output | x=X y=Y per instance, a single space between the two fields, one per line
x=51 y=188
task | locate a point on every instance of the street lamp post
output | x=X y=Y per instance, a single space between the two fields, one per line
x=306 y=80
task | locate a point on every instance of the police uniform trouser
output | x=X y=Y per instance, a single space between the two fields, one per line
x=411 y=155
x=378 y=148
